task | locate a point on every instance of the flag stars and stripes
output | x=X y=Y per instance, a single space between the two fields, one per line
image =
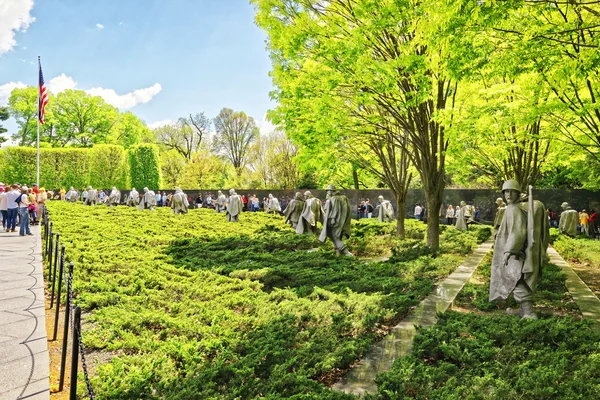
x=43 y=97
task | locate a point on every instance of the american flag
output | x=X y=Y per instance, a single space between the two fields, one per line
x=43 y=97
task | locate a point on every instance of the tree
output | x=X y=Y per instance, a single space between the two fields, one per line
x=128 y=130
x=367 y=55
x=272 y=160
x=4 y=115
x=205 y=170
x=82 y=119
x=144 y=166
x=23 y=107
x=235 y=131
x=172 y=164
x=186 y=135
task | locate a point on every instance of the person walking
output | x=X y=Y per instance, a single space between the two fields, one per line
x=583 y=221
x=12 y=208
x=24 y=204
x=3 y=208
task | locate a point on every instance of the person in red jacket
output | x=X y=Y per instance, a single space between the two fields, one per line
x=245 y=202
x=593 y=224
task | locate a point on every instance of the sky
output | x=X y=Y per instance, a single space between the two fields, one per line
x=160 y=59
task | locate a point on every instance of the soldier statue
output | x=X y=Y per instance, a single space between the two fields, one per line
x=336 y=220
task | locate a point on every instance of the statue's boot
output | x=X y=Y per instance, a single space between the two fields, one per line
x=528 y=311
x=345 y=252
x=517 y=312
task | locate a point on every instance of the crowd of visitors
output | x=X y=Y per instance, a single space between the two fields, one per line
x=19 y=206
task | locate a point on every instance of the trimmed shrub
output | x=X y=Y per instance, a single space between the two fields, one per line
x=108 y=166
x=144 y=166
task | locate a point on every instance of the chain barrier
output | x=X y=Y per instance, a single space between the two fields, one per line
x=67 y=277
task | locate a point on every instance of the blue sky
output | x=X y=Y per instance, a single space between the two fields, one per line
x=182 y=56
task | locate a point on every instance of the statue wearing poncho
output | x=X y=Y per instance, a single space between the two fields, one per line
x=463 y=216
x=311 y=213
x=336 y=220
x=220 y=202
x=148 y=200
x=114 y=199
x=569 y=219
x=386 y=210
x=293 y=210
x=72 y=195
x=134 y=198
x=92 y=197
x=273 y=205
x=234 y=207
x=519 y=250
x=179 y=202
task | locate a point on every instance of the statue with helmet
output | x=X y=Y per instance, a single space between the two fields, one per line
x=519 y=250
x=312 y=212
x=293 y=210
x=569 y=219
x=386 y=210
x=336 y=220
x=92 y=197
x=234 y=206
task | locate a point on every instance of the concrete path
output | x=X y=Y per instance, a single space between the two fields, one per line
x=361 y=379
x=24 y=363
x=586 y=300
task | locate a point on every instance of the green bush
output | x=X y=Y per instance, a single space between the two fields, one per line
x=466 y=356
x=108 y=167
x=144 y=166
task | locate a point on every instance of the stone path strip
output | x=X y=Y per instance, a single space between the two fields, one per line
x=586 y=300
x=361 y=379
x=24 y=362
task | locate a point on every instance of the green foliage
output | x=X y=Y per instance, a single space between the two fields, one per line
x=144 y=166
x=196 y=307
x=58 y=167
x=108 y=167
x=581 y=249
x=466 y=356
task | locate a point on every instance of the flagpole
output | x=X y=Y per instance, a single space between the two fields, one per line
x=37 y=165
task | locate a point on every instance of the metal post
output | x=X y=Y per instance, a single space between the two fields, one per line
x=75 y=353
x=54 y=270
x=60 y=280
x=63 y=359
x=48 y=238
x=50 y=246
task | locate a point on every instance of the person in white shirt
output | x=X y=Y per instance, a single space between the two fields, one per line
x=418 y=211
x=24 y=212
x=3 y=207
x=12 y=208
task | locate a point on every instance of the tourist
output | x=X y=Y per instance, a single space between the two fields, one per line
x=199 y=201
x=593 y=226
x=583 y=221
x=418 y=210
x=4 y=208
x=62 y=193
x=12 y=207
x=369 y=209
x=255 y=204
x=101 y=196
x=24 y=203
x=245 y=202
x=32 y=207
x=450 y=215
x=551 y=218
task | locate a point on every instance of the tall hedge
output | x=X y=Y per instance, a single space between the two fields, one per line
x=58 y=167
x=108 y=166
x=144 y=166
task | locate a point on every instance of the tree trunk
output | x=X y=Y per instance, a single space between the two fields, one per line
x=355 y=178
x=400 y=217
x=434 y=202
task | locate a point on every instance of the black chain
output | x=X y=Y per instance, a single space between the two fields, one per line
x=88 y=384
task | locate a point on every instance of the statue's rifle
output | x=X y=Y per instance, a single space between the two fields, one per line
x=528 y=265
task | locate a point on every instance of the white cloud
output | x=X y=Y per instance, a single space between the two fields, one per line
x=99 y=26
x=266 y=127
x=14 y=17
x=120 y=23
x=6 y=89
x=61 y=83
x=158 y=124
x=128 y=100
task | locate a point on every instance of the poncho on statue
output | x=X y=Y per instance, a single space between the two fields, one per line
x=293 y=210
x=386 y=210
x=312 y=212
x=148 y=200
x=234 y=207
x=114 y=198
x=179 y=202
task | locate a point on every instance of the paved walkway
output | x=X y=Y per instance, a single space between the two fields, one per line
x=361 y=379
x=585 y=299
x=24 y=364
